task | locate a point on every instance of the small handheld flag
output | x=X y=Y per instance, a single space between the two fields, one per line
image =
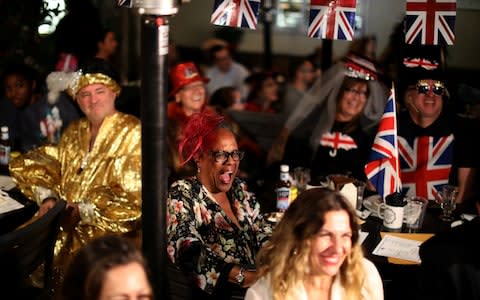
x=382 y=168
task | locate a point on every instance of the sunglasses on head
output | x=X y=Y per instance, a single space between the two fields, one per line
x=423 y=87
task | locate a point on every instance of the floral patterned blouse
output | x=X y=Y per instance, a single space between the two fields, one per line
x=203 y=240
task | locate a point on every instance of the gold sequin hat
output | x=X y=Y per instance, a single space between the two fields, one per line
x=94 y=71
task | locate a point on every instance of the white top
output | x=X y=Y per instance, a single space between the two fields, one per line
x=261 y=289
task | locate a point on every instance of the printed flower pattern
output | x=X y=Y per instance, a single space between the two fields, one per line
x=201 y=236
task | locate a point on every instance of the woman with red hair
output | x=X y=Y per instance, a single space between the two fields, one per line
x=214 y=224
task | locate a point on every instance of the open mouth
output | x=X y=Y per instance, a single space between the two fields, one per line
x=226 y=177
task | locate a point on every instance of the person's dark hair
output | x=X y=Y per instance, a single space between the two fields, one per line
x=198 y=134
x=223 y=97
x=215 y=49
x=98 y=65
x=256 y=81
x=86 y=272
x=27 y=72
x=296 y=65
x=102 y=34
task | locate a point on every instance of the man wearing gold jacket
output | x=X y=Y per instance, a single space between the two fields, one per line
x=96 y=167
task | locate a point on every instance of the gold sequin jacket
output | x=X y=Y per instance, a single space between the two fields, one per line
x=107 y=187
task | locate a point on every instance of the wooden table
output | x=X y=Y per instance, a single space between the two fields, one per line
x=400 y=281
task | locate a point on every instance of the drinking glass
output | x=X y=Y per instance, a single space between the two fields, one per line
x=360 y=191
x=447 y=198
x=302 y=177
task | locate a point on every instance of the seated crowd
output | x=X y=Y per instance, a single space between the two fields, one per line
x=88 y=153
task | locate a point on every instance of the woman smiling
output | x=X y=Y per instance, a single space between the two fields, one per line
x=314 y=254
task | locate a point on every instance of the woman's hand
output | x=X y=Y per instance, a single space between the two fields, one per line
x=250 y=278
x=47 y=204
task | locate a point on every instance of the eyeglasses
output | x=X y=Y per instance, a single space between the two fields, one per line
x=356 y=92
x=222 y=156
x=423 y=87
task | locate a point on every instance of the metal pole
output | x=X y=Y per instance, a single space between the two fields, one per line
x=154 y=42
x=267 y=33
x=327 y=53
x=154 y=167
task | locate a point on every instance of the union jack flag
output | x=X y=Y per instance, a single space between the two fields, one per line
x=430 y=22
x=426 y=163
x=382 y=168
x=332 y=19
x=236 y=13
x=337 y=140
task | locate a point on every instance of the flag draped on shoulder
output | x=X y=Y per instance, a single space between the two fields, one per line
x=430 y=22
x=332 y=19
x=236 y=13
x=382 y=168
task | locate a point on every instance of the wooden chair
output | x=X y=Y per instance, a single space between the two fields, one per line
x=22 y=251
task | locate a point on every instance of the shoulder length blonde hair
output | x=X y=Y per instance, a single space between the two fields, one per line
x=285 y=258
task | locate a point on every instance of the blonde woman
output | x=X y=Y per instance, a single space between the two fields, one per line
x=314 y=254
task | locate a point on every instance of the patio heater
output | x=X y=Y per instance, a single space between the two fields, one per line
x=154 y=49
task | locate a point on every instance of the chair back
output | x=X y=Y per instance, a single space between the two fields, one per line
x=22 y=251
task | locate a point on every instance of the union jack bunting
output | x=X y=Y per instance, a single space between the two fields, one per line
x=382 y=168
x=332 y=19
x=236 y=13
x=430 y=22
x=425 y=163
x=124 y=3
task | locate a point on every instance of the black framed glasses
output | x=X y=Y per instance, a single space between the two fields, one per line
x=222 y=156
x=423 y=87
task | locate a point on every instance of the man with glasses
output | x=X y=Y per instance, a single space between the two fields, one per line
x=433 y=143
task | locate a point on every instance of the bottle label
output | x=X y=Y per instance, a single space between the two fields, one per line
x=283 y=198
x=4 y=155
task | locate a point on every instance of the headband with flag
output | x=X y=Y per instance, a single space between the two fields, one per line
x=382 y=168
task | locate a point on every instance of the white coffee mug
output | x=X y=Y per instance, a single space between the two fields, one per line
x=392 y=216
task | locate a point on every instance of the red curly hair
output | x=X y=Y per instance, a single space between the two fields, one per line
x=198 y=134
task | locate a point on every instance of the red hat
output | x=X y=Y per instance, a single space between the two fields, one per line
x=183 y=74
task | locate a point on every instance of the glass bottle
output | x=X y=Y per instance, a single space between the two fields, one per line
x=283 y=189
x=5 y=146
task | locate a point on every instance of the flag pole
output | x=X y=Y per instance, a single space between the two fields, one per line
x=398 y=187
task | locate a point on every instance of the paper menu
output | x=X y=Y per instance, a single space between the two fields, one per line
x=398 y=247
x=8 y=204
